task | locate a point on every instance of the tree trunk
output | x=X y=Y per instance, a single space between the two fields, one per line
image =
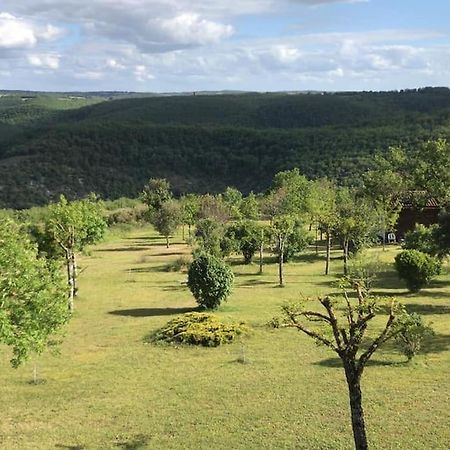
x=167 y=242
x=70 y=281
x=327 y=264
x=75 y=274
x=182 y=232
x=261 y=257
x=280 y=261
x=346 y=256
x=317 y=240
x=189 y=230
x=356 y=409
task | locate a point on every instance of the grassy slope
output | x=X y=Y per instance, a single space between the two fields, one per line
x=109 y=390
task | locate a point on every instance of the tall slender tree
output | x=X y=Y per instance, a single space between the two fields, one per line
x=71 y=226
x=33 y=302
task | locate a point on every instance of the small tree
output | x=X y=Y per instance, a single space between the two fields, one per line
x=33 y=304
x=155 y=193
x=232 y=198
x=416 y=268
x=323 y=209
x=210 y=281
x=167 y=219
x=412 y=334
x=72 y=226
x=356 y=223
x=297 y=241
x=190 y=206
x=209 y=235
x=250 y=207
x=246 y=235
x=282 y=228
x=347 y=337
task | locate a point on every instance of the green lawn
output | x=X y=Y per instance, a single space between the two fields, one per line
x=107 y=389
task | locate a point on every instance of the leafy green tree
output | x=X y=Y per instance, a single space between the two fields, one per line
x=72 y=226
x=246 y=234
x=386 y=188
x=213 y=207
x=250 y=208
x=296 y=190
x=413 y=332
x=156 y=192
x=33 y=302
x=416 y=268
x=342 y=327
x=443 y=234
x=424 y=239
x=210 y=281
x=322 y=208
x=431 y=173
x=209 y=235
x=167 y=219
x=233 y=198
x=190 y=207
x=297 y=241
x=282 y=228
x=356 y=223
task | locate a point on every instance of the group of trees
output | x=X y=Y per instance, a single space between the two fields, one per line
x=34 y=300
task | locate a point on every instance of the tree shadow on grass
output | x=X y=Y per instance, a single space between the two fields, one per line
x=144 y=238
x=152 y=312
x=70 y=447
x=308 y=258
x=138 y=442
x=336 y=363
x=169 y=254
x=255 y=282
x=180 y=287
x=162 y=268
x=427 y=309
x=125 y=249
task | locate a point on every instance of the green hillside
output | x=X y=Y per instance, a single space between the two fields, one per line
x=112 y=143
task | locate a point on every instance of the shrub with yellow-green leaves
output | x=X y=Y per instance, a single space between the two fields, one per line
x=198 y=329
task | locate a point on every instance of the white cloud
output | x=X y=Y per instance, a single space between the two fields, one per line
x=45 y=61
x=15 y=32
x=190 y=28
x=50 y=33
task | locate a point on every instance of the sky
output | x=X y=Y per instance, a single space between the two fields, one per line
x=193 y=45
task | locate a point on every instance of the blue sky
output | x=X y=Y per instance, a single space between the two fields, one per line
x=186 y=45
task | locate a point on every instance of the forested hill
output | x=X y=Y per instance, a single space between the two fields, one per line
x=112 y=143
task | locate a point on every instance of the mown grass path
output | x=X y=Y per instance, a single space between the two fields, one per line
x=107 y=389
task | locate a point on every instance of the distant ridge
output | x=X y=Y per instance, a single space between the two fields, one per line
x=112 y=142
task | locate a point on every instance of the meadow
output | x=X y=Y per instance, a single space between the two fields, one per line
x=274 y=389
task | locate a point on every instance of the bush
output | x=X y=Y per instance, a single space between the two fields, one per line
x=423 y=239
x=210 y=281
x=198 y=329
x=416 y=268
x=412 y=334
x=181 y=264
x=126 y=215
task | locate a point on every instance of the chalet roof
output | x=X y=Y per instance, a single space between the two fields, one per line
x=419 y=199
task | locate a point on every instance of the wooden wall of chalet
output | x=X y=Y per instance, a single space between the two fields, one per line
x=409 y=217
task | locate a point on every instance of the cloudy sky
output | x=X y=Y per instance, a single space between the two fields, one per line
x=186 y=45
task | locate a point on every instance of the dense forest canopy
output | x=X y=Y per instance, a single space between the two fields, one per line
x=112 y=143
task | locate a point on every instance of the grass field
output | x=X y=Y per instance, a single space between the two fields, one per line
x=107 y=389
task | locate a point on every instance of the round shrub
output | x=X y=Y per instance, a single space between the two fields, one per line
x=416 y=268
x=198 y=329
x=210 y=281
